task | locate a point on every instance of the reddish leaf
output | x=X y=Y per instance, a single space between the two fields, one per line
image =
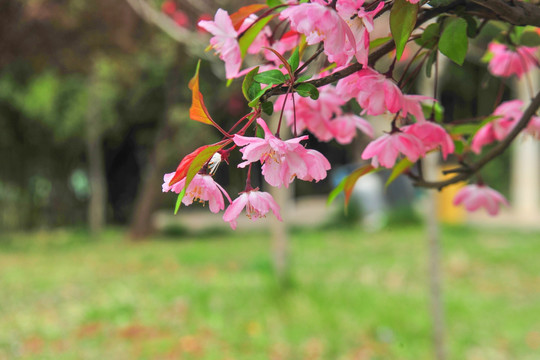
x=238 y=17
x=352 y=179
x=198 y=111
x=190 y=167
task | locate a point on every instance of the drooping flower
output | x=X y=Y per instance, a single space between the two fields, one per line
x=533 y=128
x=344 y=127
x=476 y=196
x=508 y=113
x=225 y=41
x=257 y=204
x=432 y=136
x=361 y=24
x=313 y=115
x=202 y=188
x=321 y=23
x=281 y=161
x=375 y=93
x=506 y=62
x=385 y=150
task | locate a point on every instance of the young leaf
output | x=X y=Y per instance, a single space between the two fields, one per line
x=272 y=77
x=247 y=38
x=303 y=78
x=454 y=42
x=294 y=60
x=430 y=36
x=306 y=89
x=282 y=59
x=351 y=180
x=399 y=169
x=268 y=107
x=198 y=111
x=402 y=21
x=248 y=81
x=529 y=38
x=256 y=98
x=273 y=3
x=430 y=61
x=378 y=42
x=243 y=13
x=201 y=157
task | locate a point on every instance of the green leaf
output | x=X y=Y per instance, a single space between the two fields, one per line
x=306 y=89
x=294 y=60
x=272 y=3
x=402 y=21
x=472 y=26
x=430 y=36
x=430 y=61
x=247 y=38
x=196 y=165
x=436 y=108
x=529 y=38
x=470 y=129
x=458 y=147
x=454 y=42
x=268 y=107
x=272 y=77
x=303 y=78
x=378 y=42
x=248 y=81
x=256 y=98
x=337 y=190
x=402 y=166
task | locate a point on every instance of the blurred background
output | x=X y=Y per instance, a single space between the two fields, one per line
x=93 y=264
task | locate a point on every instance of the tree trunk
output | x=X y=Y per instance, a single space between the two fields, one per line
x=149 y=190
x=97 y=204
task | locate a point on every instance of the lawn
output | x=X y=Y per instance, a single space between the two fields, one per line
x=351 y=295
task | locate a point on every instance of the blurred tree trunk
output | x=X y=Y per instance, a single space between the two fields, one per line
x=149 y=190
x=97 y=204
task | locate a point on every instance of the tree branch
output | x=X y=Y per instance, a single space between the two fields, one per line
x=514 y=12
x=467 y=172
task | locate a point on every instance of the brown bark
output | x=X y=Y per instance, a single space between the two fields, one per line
x=97 y=204
x=150 y=188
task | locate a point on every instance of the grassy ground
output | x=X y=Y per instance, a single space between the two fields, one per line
x=352 y=295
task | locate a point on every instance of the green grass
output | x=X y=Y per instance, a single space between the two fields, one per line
x=351 y=295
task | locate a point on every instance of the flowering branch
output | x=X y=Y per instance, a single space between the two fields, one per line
x=467 y=171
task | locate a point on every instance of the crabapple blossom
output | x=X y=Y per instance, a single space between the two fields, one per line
x=281 y=161
x=475 y=196
x=508 y=113
x=533 y=128
x=375 y=93
x=385 y=150
x=432 y=136
x=343 y=127
x=257 y=204
x=202 y=188
x=224 y=42
x=506 y=62
x=321 y=23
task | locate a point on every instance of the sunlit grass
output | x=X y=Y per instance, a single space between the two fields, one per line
x=351 y=295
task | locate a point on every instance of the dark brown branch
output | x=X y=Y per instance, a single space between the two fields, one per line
x=514 y=12
x=376 y=55
x=492 y=154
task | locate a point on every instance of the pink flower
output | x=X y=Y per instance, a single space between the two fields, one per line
x=533 y=128
x=180 y=18
x=506 y=62
x=202 y=188
x=374 y=92
x=257 y=204
x=321 y=23
x=282 y=160
x=225 y=41
x=509 y=113
x=432 y=136
x=384 y=150
x=344 y=128
x=361 y=24
x=411 y=104
x=313 y=115
x=474 y=197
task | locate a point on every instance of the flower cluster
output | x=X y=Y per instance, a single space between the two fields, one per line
x=334 y=98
